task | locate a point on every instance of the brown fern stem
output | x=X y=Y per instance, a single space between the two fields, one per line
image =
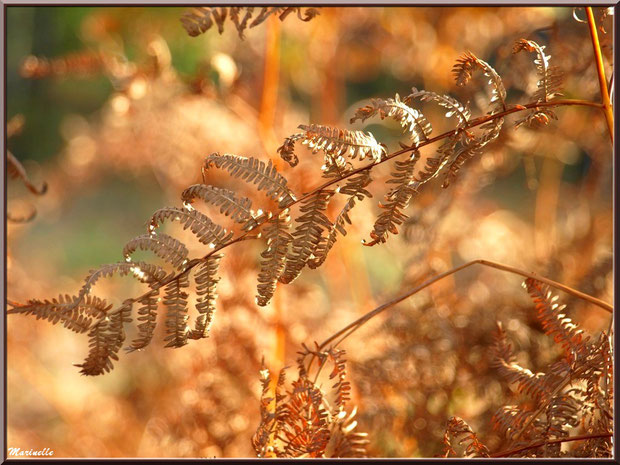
x=609 y=115
x=473 y=123
x=508 y=453
x=354 y=326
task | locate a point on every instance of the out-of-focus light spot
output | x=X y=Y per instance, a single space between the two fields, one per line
x=138 y=88
x=81 y=151
x=120 y=104
x=225 y=67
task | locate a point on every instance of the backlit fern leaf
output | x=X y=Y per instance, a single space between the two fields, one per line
x=336 y=144
x=305 y=430
x=344 y=440
x=201 y=19
x=396 y=200
x=265 y=177
x=409 y=118
x=307 y=234
x=556 y=324
x=147 y=316
x=528 y=383
x=74 y=314
x=549 y=77
x=145 y=272
x=454 y=107
x=356 y=189
x=206 y=288
x=509 y=420
x=273 y=257
x=106 y=339
x=175 y=300
x=166 y=247
x=457 y=429
x=435 y=165
x=205 y=230
x=342 y=387
x=548 y=85
x=464 y=68
x=239 y=209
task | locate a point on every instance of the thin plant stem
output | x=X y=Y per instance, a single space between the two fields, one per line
x=609 y=114
x=354 y=326
x=507 y=453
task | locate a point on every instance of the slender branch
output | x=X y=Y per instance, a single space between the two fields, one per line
x=609 y=115
x=354 y=326
x=510 y=452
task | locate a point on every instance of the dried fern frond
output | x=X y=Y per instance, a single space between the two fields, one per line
x=305 y=431
x=356 y=188
x=528 y=383
x=273 y=258
x=106 y=339
x=556 y=324
x=509 y=420
x=307 y=234
x=145 y=272
x=435 y=165
x=147 y=316
x=342 y=387
x=166 y=247
x=265 y=177
x=75 y=314
x=457 y=429
x=537 y=118
x=206 y=289
x=464 y=68
x=548 y=85
x=201 y=19
x=549 y=77
x=454 y=107
x=239 y=209
x=335 y=143
x=206 y=231
x=396 y=200
x=468 y=151
x=345 y=441
x=175 y=300
x=410 y=119
x=264 y=436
